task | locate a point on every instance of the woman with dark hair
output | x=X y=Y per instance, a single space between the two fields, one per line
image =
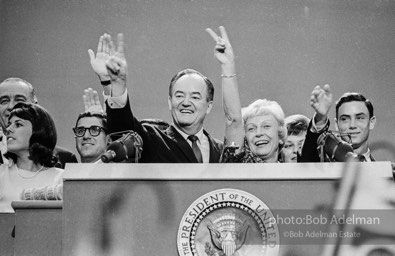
x=297 y=129
x=31 y=139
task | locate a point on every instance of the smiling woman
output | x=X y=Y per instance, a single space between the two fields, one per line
x=265 y=133
x=31 y=140
x=254 y=134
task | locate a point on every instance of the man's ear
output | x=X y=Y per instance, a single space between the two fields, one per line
x=372 y=122
x=209 y=107
x=169 y=102
x=108 y=140
x=336 y=126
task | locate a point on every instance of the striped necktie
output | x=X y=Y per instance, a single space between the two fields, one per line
x=195 y=148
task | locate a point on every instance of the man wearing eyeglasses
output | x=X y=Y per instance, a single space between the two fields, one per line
x=91 y=137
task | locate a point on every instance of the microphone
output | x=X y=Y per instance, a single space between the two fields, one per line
x=334 y=147
x=129 y=146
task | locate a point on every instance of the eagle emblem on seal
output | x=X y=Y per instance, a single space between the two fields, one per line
x=228 y=234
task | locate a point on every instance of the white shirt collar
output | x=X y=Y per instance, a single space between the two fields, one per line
x=367 y=155
x=199 y=134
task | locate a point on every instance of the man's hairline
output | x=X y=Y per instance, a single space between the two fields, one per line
x=189 y=74
x=98 y=118
x=337 y=108
x=30 y=88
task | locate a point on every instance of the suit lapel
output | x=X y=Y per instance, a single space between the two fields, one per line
x=181 y=143
x=214 y=150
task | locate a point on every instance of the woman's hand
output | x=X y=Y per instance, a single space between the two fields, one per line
x=223 y=51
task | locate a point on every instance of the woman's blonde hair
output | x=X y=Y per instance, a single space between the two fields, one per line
x=264 y=107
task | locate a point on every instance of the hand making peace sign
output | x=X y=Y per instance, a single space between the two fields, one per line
x=223 y=51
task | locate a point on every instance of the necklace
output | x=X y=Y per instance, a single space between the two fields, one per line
x=28 y=177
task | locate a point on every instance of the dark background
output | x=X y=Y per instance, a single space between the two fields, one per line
x=283 y=49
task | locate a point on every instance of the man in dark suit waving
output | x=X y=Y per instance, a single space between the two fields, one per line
x=190 y=100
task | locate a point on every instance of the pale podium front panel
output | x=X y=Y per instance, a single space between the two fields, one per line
x=148 y=209
x=7 y=225
x=38 y=228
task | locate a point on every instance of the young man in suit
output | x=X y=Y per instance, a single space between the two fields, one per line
x=354 y=121
x=190 y=100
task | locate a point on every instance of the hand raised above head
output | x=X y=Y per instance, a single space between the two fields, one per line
x=91 y=101
x=117 y=67
x=321 y=99
x=105 y=49
x=116 y=64
x=223 y=51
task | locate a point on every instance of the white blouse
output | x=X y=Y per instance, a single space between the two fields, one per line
x=14 y=180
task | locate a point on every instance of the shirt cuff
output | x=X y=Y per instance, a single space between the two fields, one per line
x=116 y=102
x=318 y=128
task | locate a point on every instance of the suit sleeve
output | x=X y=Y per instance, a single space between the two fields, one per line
x=122 y=119
x=309 y=150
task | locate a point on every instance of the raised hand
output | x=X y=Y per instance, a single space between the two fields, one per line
x=91 y=101
x=321 y=101
x=223 y=51
x=117 y=68
x=105 y=49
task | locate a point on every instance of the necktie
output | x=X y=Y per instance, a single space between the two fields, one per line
x=195 y=148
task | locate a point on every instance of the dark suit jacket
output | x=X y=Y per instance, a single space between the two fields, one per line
x=309 y=151
x=64 y=156
x=159 y=146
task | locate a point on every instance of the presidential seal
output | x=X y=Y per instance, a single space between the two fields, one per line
x=228 y=222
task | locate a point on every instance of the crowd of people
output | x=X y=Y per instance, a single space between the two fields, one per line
x=258 y=133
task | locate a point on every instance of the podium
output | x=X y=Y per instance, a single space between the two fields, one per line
x=38 y=228
x=7 y=224
x=138 y=209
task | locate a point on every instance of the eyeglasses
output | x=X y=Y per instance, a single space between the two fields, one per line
x=94 y=130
